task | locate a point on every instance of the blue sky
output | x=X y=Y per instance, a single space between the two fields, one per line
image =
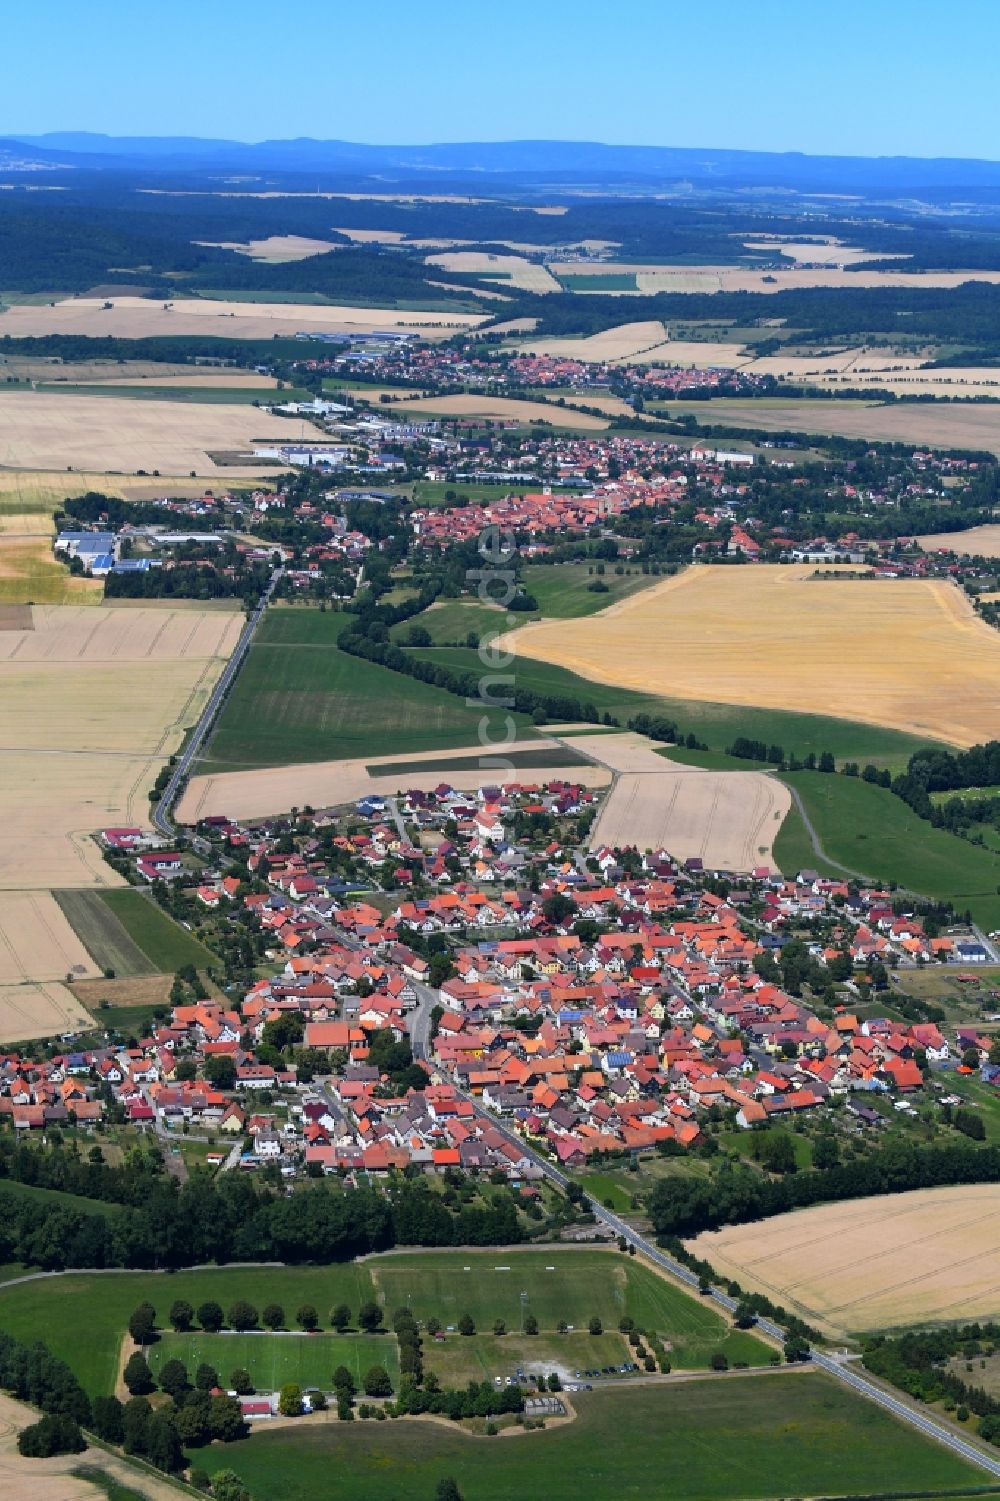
x=865 y=77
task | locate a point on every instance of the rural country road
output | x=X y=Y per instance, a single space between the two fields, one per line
x=977 y=931
x=814 y=838
x=830 y=1364
x=161 y=813
x=420 y=1029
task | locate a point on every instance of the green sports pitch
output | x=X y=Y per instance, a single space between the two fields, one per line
x=274 y=1359
x=561 y=1285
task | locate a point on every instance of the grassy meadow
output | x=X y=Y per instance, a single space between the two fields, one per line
x=562 y=589
x=794 y=850
x=561 y=1285
x=301 y=699
x=870 y=830
x=449 y=621
x=733 y=1439
x=103 y=934
x=164 y=942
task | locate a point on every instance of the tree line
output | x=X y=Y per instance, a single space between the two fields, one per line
x=686 y=1206
x=933 y=769
x=235 y=1219
x=916 y=1364
x=466 y=685
x=33 y=1374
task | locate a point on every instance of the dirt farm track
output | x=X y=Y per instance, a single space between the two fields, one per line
x=877 y=1263
x=728 y=819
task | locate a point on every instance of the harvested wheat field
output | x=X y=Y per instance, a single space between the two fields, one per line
x=824 y=250
x=62 y=430
x=197 y=379
x=138 y=318
x=94 y=701
x=39 y=1008
x=501 y=409
x=276 y=248
x=36 y=941
x=879 y=369
x=977 y=541
x=325 y=784
x=695 y=354
x=870 y=1264
x=925 y=424
x=641 y=344
x=734 y=279
x=614 y=406
x=378 y=236
x=621 y=343
x=513 y=270
x=905 y=653
x=728 y=819
x=362 y=395
x=957 y=381
x=651 y=280
x=53 y=1480
x=855 y=361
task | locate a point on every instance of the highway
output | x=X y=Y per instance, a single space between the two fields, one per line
x=839 y=1367
x=419 y=1028
x=832 y=1365
x=162 y=811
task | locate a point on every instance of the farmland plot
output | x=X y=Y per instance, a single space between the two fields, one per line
x=872 y=1263
x=138 y=318
x=907 y=654
x=63 y=430
x=94 y=701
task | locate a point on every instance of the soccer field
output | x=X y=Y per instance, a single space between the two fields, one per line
x=560 y=1283
x=274 y=1359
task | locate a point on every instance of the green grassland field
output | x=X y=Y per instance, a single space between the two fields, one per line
x=870 y=830
x=301 y=699
x=274 y=1359
x=166 y=945
x=717 y=724
x=102 y=934
x=561 y=1284
x=792 y=1433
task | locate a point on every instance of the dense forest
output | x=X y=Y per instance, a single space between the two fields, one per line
x=165 y=240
